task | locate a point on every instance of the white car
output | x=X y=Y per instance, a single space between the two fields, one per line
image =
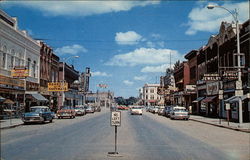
x=179 y=112
x=136 y=110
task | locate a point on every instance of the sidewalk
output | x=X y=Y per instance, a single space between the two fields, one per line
x=245 y=127
x=10 y=123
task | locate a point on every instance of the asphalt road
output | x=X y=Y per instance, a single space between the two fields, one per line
x=146 y=137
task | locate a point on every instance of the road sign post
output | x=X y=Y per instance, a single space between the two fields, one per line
x=115 y=120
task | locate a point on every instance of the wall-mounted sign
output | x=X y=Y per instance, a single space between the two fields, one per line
x=19 y=72
x=230 y=75
x=211 y=77
x=212 y=88
x=57 y=86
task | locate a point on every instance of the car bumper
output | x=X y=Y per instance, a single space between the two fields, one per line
x=136 y=112
x=33 y=119
x=65 y=115
x=180 y=117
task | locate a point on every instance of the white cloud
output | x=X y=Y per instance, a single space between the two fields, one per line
x=81 y=8
x=101 y=74
x=144 y=56
x=203 y=19
x=128 y=83
x=127 y=38
x=140 y=78
x=73 y=50
x=153 y=69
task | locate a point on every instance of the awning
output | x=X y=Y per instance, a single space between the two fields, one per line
x=235 y=99
x=39 y=97
x=209 y=99
x=152 y=101
x=198 y=99
x=8 y=101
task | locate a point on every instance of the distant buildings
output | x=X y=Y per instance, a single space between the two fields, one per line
x=150 y=96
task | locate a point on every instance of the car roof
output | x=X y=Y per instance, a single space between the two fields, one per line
x=39 y=107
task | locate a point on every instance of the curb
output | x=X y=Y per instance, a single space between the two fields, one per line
x=217 y=125
x=13 y=126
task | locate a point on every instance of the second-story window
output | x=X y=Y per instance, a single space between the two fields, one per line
x=28 y=65
x=34 y=69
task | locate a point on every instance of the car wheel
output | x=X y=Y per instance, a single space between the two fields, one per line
x=51 y=120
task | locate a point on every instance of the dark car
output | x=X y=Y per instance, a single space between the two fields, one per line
x=38 y=114
x=167 y=110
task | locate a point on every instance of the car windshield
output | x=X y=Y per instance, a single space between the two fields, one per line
x=38 y=110
x=157 y=79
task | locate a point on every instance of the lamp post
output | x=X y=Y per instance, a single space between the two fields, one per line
x=238 y=91
x=64 y=62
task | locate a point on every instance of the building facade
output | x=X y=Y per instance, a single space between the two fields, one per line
x=18 y=50
x=72 y=96
x=150 y=95
x=49 y=72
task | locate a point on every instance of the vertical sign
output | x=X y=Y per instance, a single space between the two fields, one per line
x=115 y=119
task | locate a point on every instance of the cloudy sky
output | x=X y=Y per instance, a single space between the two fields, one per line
x=125 y=43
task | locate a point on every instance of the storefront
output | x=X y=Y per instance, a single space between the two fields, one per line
x=13 y=90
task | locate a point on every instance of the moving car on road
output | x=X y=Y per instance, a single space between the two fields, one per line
x=136 y=110
x=66 y=111
x=38 y=114
x=179 y=113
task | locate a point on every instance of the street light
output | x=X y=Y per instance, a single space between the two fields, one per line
x=64 y=61
x=238 y=91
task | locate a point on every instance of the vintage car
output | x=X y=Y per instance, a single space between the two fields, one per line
x=89 y=109
x=38 y=114
x=66 y=111
x=179 y=112
x=136 y=110
x=80 y=110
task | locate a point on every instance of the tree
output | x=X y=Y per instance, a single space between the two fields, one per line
x=177 y=64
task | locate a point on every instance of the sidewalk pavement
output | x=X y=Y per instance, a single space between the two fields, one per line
x=245 y=127
x=10 y=123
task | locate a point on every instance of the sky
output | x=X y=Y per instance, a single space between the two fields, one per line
x=125 y=43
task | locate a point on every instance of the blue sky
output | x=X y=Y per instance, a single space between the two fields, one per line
x=125 y=43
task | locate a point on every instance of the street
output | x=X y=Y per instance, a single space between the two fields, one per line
x=146 y=137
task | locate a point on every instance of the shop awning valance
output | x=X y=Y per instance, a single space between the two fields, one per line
x=39 y=97
x=198 y=99
x=152 y=101
x=209 y=99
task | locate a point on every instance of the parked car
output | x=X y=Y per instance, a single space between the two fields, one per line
x=161 y=110
x=89 y=109
x=155 y=110
x=38 y=114
x=167 y=110
x=179 y=112
x=80 y=111
x=66 y=111
x=136 y=110
x=98 y=109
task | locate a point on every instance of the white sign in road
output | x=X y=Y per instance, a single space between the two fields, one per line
x=115 y=119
